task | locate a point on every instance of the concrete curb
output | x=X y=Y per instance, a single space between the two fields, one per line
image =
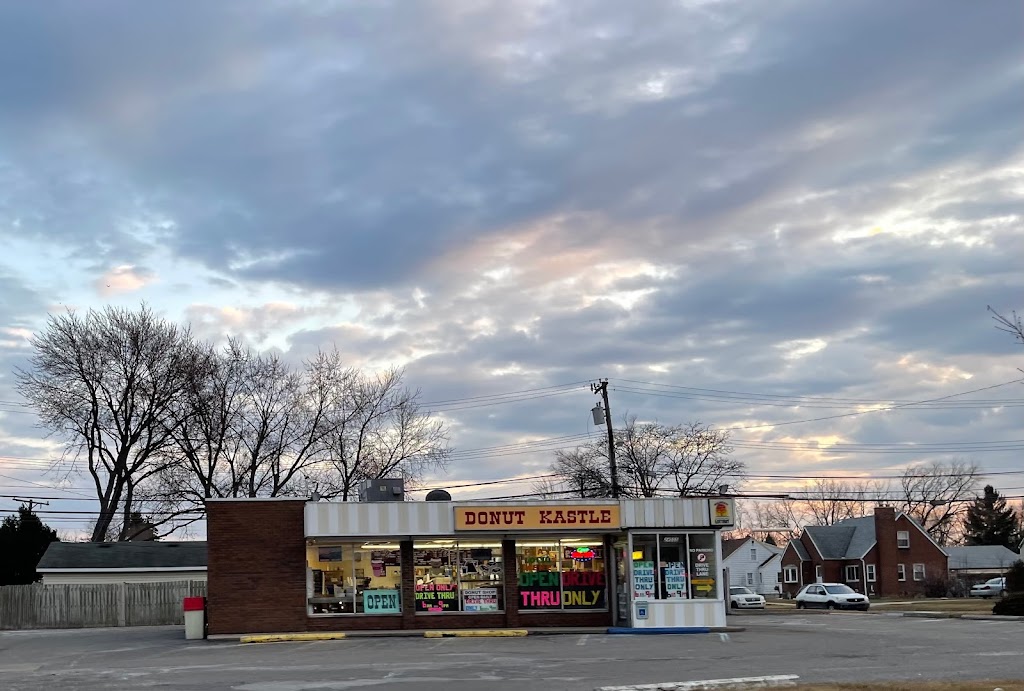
x=468 y=633
x=496 y=633
x=773 y=681
x=659 y=630
x=992 y=617
x=290 y=637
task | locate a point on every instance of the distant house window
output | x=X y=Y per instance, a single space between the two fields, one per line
x=789 y=574
x=903 y=539
x=918 y=572
x=753 y=553
x=818 y=573
x=901 y=572
x=750 y=579
x=870 y=571
x=852 y=573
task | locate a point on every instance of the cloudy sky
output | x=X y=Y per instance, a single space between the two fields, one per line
x=799 y=210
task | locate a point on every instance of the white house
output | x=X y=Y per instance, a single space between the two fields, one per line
x=123 y=562
x=753 y=563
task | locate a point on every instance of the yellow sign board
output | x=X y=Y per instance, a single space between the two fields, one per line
x=566 y=517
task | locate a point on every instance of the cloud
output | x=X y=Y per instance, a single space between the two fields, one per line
x=123 y=279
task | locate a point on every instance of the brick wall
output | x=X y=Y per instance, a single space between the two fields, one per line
x=256 y=566
x=921 y=551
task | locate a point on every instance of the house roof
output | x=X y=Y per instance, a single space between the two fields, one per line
x=775 y=555
x=730 y=546
x=981 y=557
x=849 y=539
x=800 y=550
x=123 y=555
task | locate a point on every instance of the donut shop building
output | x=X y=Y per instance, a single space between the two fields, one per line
x=289 y=565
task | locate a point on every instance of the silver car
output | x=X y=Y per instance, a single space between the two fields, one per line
x=993 y=587
x=744 y=598
x=831 y=596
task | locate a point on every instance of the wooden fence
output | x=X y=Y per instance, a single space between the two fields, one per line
x=40 y=606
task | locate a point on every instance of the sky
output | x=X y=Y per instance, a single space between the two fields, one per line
x=751 y=215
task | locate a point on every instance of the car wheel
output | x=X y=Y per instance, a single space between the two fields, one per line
x=799 y=605
x=733 y=604
x=830 y=605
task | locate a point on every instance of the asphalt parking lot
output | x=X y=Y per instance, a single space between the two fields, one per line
x=823 y=647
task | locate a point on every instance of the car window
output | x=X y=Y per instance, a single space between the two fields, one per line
x=839 y=589
x=737 y=591
x=814 y=590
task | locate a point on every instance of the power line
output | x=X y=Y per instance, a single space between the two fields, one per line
x=803 y=400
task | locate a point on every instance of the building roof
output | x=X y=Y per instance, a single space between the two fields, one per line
x=730 y=546
x=849 y=539
x=994 y=557
x=95 y=556
x=800 y=550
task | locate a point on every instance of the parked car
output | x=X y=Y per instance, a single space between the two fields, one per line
x=741 y=597
x=831 y=596
x=993 y=587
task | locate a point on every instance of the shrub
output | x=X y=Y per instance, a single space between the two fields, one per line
x=1015 y=577
x=935 y=586
x=1012 y=605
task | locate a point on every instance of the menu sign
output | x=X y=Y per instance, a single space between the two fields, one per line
x=643 y=579
x=381 y=602
x=437 y=597
x=480 y=600
x=675 y=579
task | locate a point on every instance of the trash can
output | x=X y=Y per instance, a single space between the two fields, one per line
x=195 y=618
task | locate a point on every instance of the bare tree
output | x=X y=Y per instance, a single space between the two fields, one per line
x=107 y=382
x=937 y=496
x=376 y=430
x=582 y=471
x=1011 y=325
x=779 y=518
x=684 y=460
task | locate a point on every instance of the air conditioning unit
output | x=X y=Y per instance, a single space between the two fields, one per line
x=382 y=489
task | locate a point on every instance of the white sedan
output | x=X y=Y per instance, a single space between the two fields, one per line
x=831 y=596
x=744 y=598
x=993 y=587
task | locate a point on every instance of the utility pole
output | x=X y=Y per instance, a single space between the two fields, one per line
x=602 y=388
x=31 y=503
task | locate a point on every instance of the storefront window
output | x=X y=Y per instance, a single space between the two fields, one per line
x=674 y=567
x=703 y=566
x=454 y=576
x=561 y=574
x=353 y=578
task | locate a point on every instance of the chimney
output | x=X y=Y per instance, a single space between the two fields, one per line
x=887 y=584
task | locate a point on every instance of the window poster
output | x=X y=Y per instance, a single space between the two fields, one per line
x=675 y=579
x=583 y=589
x=437 y=597
x=480 y=600
x=382 y=602
x=643 y=579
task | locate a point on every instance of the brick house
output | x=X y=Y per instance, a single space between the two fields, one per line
x=887 y=555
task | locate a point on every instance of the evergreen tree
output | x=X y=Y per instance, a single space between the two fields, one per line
x=23 y=539
x=990 y=521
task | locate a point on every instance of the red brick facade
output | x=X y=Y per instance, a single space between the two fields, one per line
x=256 y=580
x=885 y=555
